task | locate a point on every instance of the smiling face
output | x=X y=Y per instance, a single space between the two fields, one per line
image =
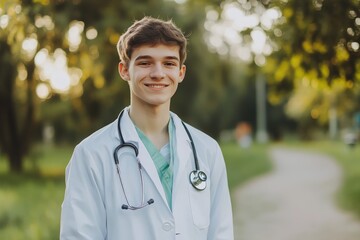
x=153 y=74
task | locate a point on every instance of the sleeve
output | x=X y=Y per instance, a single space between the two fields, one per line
x=83 y=213
x=221 y=220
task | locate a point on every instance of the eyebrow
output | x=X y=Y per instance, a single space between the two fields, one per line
x=150 y=57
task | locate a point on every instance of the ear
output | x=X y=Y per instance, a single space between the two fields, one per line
x=123 y=71
x=182 y=73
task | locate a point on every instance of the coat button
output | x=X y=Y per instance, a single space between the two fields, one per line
x=167 y=226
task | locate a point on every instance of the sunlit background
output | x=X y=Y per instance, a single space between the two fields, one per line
x=223 y=35
x=259 y=73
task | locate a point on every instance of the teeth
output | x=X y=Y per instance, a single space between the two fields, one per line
x=155 y=85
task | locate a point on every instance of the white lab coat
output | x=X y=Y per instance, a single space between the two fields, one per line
x=93 y=198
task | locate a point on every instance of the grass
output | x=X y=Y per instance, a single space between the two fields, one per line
x=31 y=202
x=245 y=163
x=30 y=207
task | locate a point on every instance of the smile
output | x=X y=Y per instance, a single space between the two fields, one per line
x=156 y=85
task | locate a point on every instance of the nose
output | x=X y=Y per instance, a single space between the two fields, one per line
x=157 y=72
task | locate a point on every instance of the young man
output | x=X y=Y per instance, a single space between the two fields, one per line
x=148 y=175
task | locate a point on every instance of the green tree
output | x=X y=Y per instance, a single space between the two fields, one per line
x=309 y=51
x=17 y=111
x=76 y=40
x=318 y=56
x=81 y=37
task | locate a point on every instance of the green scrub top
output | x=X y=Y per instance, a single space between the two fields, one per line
x=163 y=159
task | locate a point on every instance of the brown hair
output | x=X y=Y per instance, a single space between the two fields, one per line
x=152 y=31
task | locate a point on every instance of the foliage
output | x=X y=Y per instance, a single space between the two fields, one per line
x=317 y=65
x=309 y=51
x=17 y=116
x=78 y=38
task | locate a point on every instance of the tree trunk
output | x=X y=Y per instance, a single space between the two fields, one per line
x=10 y=139
x=15 y=161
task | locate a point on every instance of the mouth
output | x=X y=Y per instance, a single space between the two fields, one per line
x=156 y=86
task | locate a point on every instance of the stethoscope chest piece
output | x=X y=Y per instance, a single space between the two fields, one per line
x=198 y=179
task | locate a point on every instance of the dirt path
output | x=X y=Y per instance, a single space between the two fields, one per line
x=294 y=202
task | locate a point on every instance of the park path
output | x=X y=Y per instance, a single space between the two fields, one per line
x=295 y=201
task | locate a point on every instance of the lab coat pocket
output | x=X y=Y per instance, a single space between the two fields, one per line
x=200 y=206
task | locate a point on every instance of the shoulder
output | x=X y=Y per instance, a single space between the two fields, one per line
x=200 y=138
x=207 y=150
x=108 y=131
x=90 y=156
x=99 y=139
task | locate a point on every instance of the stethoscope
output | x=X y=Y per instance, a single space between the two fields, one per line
x=197 y=177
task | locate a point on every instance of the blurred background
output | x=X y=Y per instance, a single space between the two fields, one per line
x=259 y=73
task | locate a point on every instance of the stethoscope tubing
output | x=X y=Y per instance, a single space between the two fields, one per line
x=196 y=161
x=197 y=177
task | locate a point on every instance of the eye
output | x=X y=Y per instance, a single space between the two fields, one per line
x=144 y=63
x=170 y=64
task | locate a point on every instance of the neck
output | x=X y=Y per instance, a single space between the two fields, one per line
x=153 y=122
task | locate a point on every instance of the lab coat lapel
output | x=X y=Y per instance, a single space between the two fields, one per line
x=130 y=135
x=150 y=169
x=184 y=154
